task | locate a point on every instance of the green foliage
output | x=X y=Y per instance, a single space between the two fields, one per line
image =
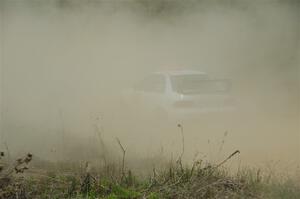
x=123 y=193
x=154 y=196
x=285 y=190
x=173 y=181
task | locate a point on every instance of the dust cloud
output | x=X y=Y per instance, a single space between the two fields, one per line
x=64 y=65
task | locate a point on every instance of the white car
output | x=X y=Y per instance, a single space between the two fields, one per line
x=180 y=95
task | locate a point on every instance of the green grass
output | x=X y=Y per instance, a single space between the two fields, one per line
x=172 y=180
x=175 y=180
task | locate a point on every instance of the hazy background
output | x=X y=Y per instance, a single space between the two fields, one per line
x=64 y=63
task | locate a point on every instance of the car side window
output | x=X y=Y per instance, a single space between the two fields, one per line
x=152 y=83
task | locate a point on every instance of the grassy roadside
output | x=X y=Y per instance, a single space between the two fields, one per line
x=115 y=181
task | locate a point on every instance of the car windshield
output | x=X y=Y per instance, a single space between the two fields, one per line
x=198 y=84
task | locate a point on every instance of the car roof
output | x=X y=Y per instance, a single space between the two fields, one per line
x=181 y=72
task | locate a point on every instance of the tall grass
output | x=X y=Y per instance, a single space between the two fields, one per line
x=172 y=180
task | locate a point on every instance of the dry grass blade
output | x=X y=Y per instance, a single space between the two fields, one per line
x=229 y=157
x=182 y=140
x=123 y=158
